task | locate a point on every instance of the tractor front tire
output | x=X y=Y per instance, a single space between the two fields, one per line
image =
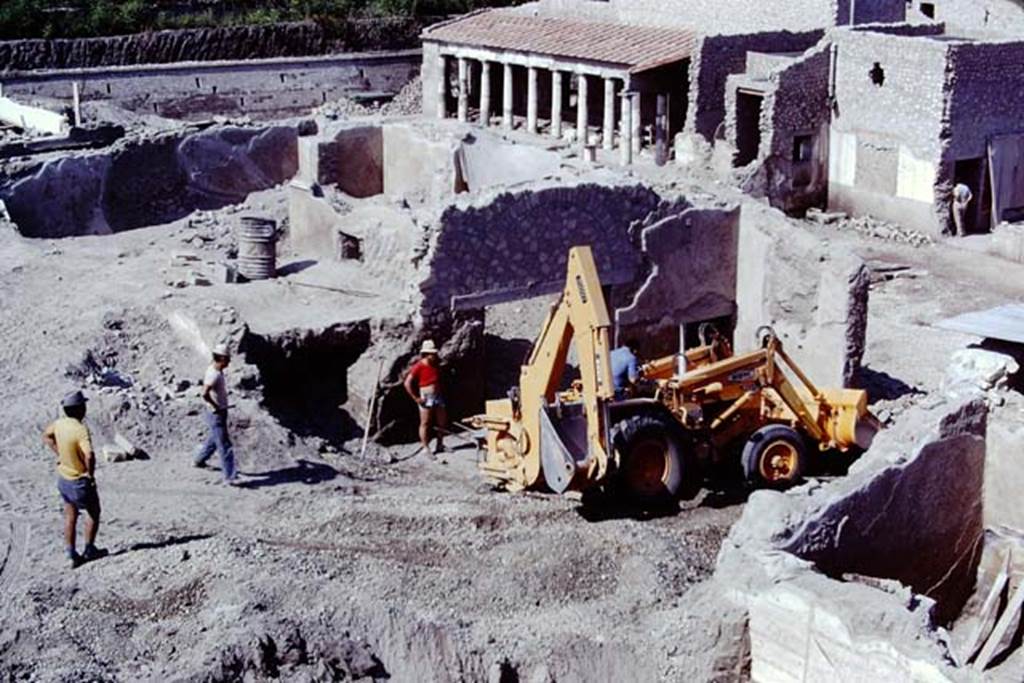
x=775 y=456
x=653 y=464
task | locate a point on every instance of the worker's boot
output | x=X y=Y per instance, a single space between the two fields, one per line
x=91 y=553
x=75 y=559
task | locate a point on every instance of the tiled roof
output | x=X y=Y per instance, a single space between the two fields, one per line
x=636 y=47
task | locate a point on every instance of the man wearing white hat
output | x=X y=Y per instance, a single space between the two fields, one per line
x=215 y=395
x=423 y=384
x=76 y=476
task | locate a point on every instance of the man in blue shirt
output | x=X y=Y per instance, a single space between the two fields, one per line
x=625 y=367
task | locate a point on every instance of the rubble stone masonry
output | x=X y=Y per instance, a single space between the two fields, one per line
x=717 y=57
x=886 y=133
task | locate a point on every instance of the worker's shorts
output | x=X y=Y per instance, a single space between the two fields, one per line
x=433 y=402
x=431 y=399
x=81 y=493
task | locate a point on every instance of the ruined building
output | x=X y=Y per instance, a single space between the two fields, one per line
x=837 y=105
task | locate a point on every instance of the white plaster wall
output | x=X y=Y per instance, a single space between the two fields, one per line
x=915 y=178
x=842 y=158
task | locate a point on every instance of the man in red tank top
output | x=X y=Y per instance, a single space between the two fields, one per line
x=423 y=384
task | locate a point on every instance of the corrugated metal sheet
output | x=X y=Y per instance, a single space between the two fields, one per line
x=635 y=47
x=1005 y=323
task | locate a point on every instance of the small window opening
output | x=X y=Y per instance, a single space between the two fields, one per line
x=803 y=148
x=927 y=9
x=877 y=74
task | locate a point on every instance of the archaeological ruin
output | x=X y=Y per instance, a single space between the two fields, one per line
x=837 y=179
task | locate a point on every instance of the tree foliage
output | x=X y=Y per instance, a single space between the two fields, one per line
x=82 y=18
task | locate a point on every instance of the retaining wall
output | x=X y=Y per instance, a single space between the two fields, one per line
x=258 y=88
x=210 y=44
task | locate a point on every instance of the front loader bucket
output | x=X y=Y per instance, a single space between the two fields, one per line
x=563 y=445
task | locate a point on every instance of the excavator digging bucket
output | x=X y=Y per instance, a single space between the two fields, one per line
x=563 y=445
x=852 y=422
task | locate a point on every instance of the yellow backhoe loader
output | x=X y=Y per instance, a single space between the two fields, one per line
x=651 y=444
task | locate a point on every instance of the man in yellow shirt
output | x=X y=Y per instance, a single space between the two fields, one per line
x=76 y=482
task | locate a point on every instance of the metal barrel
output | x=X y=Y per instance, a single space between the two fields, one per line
x=257 y=248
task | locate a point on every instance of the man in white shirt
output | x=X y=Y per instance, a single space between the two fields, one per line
x=215 y=395
x=962 y=196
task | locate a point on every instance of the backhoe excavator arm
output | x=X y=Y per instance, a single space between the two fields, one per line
x=560 y=435
x=580 y=316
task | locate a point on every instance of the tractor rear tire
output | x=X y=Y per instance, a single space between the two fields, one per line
x=653 y=463
x=775 y=456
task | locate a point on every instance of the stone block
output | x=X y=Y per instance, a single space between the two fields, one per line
x=817 y=630
x=125 y=445
x=972 y=369
x=115 y=454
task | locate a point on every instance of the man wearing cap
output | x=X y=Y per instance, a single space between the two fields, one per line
x=423 y=384
x=215 y=395
x=76 y=476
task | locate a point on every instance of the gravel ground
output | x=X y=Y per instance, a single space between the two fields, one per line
x=328 y=566
x=322 y=566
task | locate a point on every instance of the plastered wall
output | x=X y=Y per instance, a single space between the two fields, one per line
x=885 y=141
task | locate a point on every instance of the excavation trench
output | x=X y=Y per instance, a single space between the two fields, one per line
x=305 y=377
x=149 y=181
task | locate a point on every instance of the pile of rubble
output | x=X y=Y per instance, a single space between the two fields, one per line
x=343 y=108
x=407 y=102
x=870 y=227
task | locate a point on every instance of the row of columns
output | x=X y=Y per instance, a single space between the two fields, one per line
x=629 y=122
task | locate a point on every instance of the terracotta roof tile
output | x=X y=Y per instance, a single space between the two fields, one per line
x=635 y=47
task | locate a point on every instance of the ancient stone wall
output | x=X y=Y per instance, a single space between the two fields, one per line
x=258 y=89
x=714 y=17
x=986 y=95
x=717 y=57
x=919 y=523
x=142 y=182
x=855 y=574
x=814 y=295
x=209 y=44
x=798 y=114
x=691 y=277
x=880 y=11
x=998 y=16
x=516 y=244
x=886 y=134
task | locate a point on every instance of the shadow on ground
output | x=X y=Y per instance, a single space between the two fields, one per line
x=881 y=386
x=295 y=267
x=166 y=543
x=302 y=472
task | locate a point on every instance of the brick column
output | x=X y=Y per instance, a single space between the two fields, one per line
x=506 y=96
x=531 y=100
x=582 y=113
x=556 y=103
x=463 y=89
x=609 y=113
x=485 y=93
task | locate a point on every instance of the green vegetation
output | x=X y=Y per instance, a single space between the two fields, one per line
x=82 y=18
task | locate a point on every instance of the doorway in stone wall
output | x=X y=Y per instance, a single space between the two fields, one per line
x=748 y=126
x=974 y=174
